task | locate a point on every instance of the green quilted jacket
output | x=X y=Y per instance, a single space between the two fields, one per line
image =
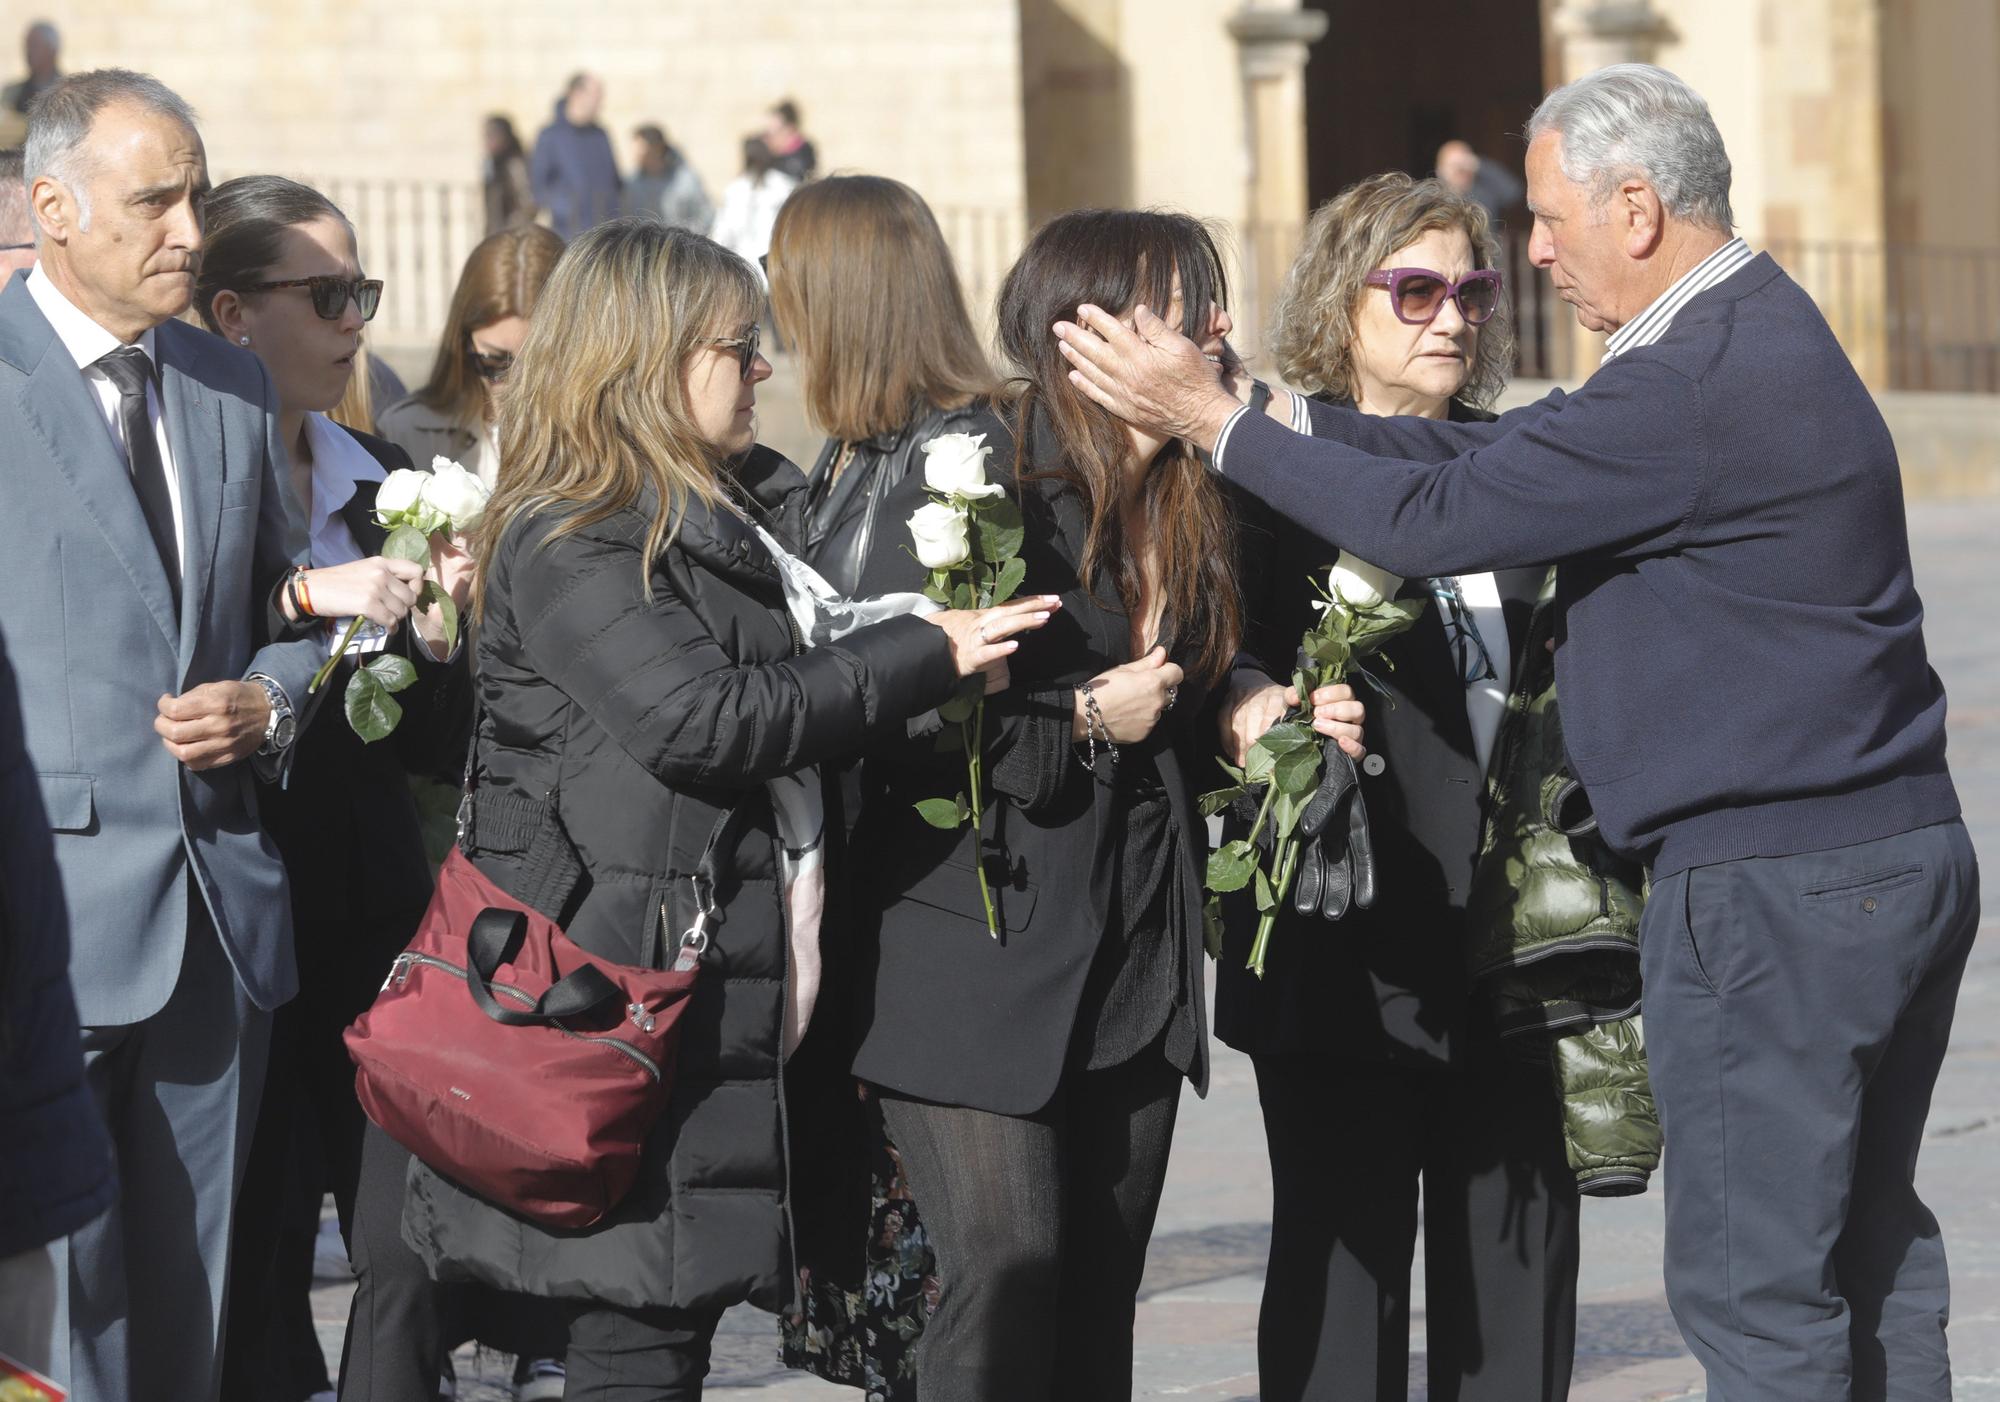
x=1553 y=936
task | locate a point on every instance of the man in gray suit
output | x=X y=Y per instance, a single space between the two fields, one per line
x=143 y=530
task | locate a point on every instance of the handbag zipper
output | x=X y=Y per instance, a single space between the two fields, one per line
x=399 y=974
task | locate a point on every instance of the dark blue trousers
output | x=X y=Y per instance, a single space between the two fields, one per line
x=1797 y=1012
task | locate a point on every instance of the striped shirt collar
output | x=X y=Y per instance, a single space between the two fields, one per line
x=1651 y=324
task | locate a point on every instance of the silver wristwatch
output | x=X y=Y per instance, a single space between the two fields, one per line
x=283 y=727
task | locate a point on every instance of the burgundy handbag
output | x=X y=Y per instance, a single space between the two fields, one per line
x=516 y=1063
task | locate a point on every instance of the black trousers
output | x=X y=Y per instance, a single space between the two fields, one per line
x=1040 y=1224
x=1797 y=1012
x=1351 y=1143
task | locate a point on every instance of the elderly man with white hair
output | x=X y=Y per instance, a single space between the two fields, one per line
x=1747 y=701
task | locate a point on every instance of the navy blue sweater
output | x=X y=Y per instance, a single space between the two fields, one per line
x=1741 y=649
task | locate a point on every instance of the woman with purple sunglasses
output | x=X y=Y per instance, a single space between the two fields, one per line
x=1380 y=1074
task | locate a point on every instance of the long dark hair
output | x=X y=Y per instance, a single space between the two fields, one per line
x=243 y=232
x=503 y=277
x=510 y=142
x=1116 y=259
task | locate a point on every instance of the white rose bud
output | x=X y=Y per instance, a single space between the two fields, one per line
x=398 y=494
x=955 y=466
x=939 y=533
x=454 y=493
x=1359 y=584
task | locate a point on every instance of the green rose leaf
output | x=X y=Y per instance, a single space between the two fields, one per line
x=1236 y=775
x=1230 y=865
x=940 y=812
x=958 y=710
x=1011 y=576
x=408 y=543
x=998 y=524
x=1297 y=772
x=962 y=596
x=1215 y=800
x=434 y=597
x=1267 y=899
x=1211 y=926
x=371 y=710
x=393 y=672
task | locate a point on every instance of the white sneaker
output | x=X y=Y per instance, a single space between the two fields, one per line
x=539 y=1380
x=330 y=1265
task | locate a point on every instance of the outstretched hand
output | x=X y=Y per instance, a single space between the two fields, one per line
x=1147 y=374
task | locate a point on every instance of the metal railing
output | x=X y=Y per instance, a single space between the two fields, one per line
x=1919 y=316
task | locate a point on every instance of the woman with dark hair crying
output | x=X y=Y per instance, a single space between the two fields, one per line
x=1031 y=1081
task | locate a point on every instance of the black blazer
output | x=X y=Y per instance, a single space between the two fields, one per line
x=946 y=1012
x=1387 y=983
x=345 y=822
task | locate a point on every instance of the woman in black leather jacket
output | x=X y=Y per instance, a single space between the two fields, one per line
x=863 y=290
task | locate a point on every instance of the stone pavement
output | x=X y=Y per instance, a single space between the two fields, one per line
x=1197 y=1320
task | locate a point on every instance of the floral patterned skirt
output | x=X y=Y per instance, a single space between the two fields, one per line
x=868 y=1338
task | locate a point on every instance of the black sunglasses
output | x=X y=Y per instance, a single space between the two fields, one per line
x=14 y=247
x=491 y=365
x=330 y=295
x=745 y=344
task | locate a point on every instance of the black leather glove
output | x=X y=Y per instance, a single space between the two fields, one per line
x=1337 y=855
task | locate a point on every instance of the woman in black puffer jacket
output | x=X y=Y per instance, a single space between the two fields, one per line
x=641 y=678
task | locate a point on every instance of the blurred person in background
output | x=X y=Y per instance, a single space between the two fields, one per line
x=750 y=204
x=280 y=276
x=1486 y=182
x=636 y=637
x=574 y=174
x=456 y=413
x=664 y=186
x=863 y=288
x=17 y=224
x=791 y=152
x=503 y=177
x=1378 y=1078
x=41 y=45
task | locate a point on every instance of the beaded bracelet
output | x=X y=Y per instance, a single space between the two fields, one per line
x=1094 y=724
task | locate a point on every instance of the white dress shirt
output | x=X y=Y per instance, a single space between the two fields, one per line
x=338 y=462
x=1486 y=699
x=87 y=343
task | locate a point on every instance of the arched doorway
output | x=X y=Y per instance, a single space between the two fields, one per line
x=1388 y=85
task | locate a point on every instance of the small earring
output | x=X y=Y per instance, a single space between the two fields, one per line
x=242 y=340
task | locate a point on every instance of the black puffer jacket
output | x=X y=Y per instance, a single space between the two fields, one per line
x=628 y=726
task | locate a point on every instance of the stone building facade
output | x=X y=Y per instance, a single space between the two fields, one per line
x=1861 y=130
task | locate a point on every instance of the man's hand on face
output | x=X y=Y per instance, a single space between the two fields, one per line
x=1147 y=374
x=216 y=723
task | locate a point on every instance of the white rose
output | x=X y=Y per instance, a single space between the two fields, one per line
x=939 y=533
x=398 y=493
x=454 y=493
x=955 y=466
x=1359 y=584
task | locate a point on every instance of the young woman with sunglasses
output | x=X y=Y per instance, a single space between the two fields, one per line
x=456 y=413
x=280 y=275
x=1377 y=1073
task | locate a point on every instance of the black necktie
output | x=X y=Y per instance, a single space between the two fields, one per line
x=129 y=368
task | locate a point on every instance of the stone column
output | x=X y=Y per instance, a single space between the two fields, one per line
x=1272 y=45
x=1595 y=34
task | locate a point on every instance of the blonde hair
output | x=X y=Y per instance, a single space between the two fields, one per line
x=595 y=418
x=863 y=287
x=1346 y=239
x=356 y=409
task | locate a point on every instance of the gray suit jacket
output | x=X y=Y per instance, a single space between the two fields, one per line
x=88 y=617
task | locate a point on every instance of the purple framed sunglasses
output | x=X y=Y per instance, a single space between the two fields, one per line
x=1417 y=294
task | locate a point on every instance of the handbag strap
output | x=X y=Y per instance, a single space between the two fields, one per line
x=495 y=938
